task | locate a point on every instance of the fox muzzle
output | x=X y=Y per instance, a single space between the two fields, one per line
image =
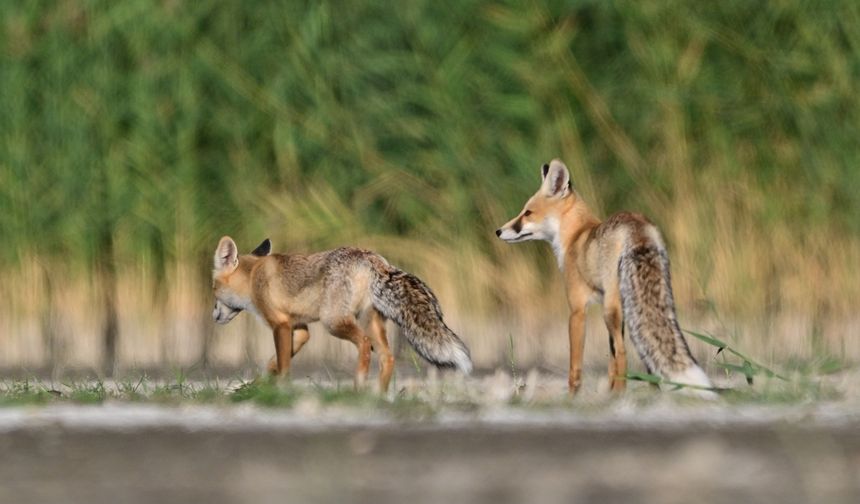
x=224 y=313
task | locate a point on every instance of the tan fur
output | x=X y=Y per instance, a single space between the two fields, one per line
x=620 y=263
x=351 y=291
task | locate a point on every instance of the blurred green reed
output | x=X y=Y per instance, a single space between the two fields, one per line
x=133 y=134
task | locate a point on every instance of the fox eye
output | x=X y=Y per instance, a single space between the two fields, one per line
x=527 y=213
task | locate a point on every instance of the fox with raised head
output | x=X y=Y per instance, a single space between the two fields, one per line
x=351 y=291
x=622 y=263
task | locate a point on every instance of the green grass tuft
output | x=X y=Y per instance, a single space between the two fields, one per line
x=264 y=392
x=25 y=392
x=88 y=393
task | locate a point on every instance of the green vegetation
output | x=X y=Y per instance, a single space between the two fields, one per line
x=747 y=367
x=160 y=126
x=264 y=393
x=133 y=134
x=820 y=379
x=26 y=392
x=421 y=402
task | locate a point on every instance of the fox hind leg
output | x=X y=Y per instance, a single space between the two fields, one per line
x=380 y=344
x=612 y=316
x=347 y=328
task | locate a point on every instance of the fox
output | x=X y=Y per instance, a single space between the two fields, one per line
x=351 y=291
x=622 y=263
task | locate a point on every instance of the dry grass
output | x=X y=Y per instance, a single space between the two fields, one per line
x=490 y=302
x=135 y=145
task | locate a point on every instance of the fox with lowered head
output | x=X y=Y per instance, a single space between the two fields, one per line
x=351 y=291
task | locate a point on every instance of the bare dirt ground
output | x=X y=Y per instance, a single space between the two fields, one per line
x=144 y=454
x=479 y=444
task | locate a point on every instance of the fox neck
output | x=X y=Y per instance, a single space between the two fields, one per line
x=574 y=220
x=245 y=269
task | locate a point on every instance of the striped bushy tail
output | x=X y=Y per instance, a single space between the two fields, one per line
x=406 y=300
x=649 y=311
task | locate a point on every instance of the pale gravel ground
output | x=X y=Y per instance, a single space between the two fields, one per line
x=623 y=416
x=493 y=439
x=528 y=399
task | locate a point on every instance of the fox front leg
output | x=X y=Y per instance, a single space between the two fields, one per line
x=283 y=335
x=300 y=337
x=577 y=300
x=576 y=333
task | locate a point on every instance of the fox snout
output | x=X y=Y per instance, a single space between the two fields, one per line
x=223 y=313
x=516 y=231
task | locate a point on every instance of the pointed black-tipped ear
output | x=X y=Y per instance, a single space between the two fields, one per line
x=556 y=182
x=263 y=249
x=544 y=170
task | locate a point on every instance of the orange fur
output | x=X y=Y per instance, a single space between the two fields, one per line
x=621 y=263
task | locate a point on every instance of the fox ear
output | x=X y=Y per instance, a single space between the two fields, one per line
x=263 y=249
x=556 y=179
x=226 y=255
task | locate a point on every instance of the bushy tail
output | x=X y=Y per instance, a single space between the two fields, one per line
x=649 y=310
x=406 y=300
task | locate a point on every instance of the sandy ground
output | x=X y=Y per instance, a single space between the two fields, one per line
x=477 y=446
x=143 y=453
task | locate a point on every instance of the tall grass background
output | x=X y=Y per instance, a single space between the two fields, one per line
x=134 y=134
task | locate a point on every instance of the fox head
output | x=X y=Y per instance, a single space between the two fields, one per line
x=541 y=215
x=231 y=278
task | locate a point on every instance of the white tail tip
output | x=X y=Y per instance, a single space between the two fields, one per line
x=462 y=361
x=695 y=377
